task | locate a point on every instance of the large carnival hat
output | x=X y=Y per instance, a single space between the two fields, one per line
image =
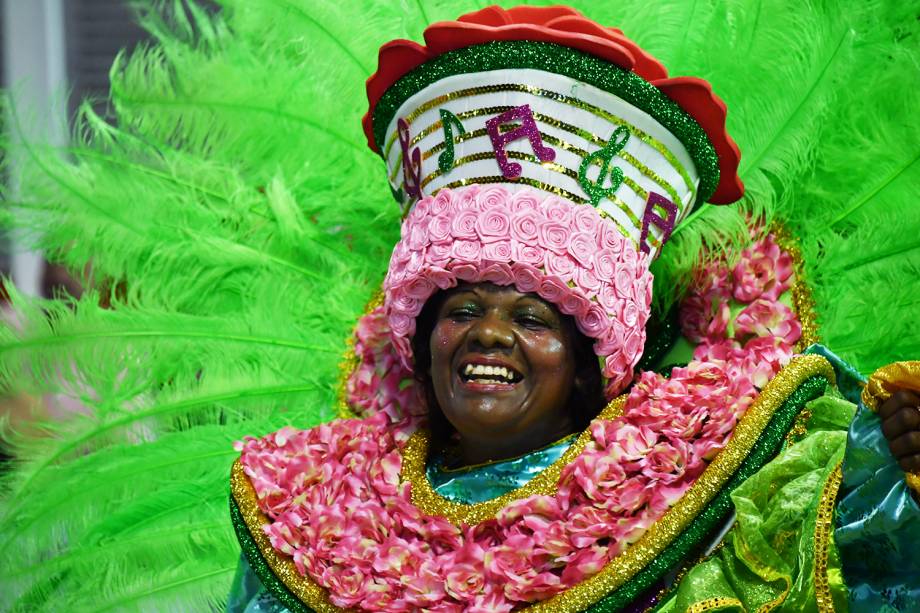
x=534 y=147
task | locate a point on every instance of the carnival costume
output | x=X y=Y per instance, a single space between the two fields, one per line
x=230 y=218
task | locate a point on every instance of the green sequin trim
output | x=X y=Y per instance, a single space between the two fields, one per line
x=260 y=567
x=565 y=61
x=769 y=444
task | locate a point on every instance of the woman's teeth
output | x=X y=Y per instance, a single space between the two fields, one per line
x=480 y=373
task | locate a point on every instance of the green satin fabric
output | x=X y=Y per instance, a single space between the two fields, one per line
x=480 y=483
x=768 y=556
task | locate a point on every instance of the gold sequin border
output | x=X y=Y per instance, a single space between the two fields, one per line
x=427 y=500
x=824 y=526
x=803 y=302
x=305 y=589
x=677 y=518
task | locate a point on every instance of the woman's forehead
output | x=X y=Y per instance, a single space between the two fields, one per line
x=497 y=292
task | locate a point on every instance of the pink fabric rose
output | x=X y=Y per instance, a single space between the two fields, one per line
x=553 y=289
x=526 y=254
x=439 y=229
x=491 y=197
x=498 y=273
x=525 y=226
x=498 y=251
x=466 y=251
x=493 y=224
x=582 y=247
x=463 y=225
x=527 y=278
x=561 y=266
x=554 y=235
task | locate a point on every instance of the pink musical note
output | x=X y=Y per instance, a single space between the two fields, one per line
x=666 y=225
x=528 y=129
x=411 y=161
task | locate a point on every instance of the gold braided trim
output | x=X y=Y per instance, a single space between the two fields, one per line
x=282 y=565
x=539 y=92
x=888 y=379
x=803 y=302
x=711 y=604
x=824 y=526
x=678 y=517
x=428 y=501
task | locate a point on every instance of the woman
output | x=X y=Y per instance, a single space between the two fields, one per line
x=604 y=163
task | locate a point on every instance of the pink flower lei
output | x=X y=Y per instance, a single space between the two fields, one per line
x=340 y=509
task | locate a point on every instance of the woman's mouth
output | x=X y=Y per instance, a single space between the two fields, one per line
x=489 y=374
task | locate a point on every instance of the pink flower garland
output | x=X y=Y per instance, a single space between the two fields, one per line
x=340 y=509
x=380 y=382
x=565 y=253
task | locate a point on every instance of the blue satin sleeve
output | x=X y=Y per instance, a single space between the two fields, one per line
x=878 y=523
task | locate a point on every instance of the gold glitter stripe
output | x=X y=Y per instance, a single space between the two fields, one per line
x=522 y=180
x=559 y=168
x=803 y=302
x=543 y=93
x=304 y=588
x=824 y=525
x=682 y=514
x=427 y=500
x=711 y=604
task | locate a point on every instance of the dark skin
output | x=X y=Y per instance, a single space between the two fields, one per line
x=900 y=417
x=484 y=326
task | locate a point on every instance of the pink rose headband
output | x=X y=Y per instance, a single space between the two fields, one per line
x=565 y=253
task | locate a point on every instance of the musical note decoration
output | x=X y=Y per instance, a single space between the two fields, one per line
x=411 y=161
x=528 y=129
x=604 y=156
x=446 y=159
x=651 y=217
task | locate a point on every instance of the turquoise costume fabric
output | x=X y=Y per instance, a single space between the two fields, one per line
x=878 y=524
x=487 y=481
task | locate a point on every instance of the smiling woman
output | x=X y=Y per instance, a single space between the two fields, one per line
x=504 y=371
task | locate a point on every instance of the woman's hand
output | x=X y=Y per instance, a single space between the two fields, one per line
x=900 y=416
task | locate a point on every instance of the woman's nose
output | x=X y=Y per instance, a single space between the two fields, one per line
x=493 y=331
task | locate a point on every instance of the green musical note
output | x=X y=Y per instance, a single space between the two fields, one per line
x=446 y=159
x=595 y=189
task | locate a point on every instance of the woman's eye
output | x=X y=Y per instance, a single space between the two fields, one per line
x=463 y=313
x=531 y=321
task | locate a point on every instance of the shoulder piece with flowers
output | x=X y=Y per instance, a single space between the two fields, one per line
x=337 y=515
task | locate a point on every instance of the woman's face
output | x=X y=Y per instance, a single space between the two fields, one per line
x=503 y=365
